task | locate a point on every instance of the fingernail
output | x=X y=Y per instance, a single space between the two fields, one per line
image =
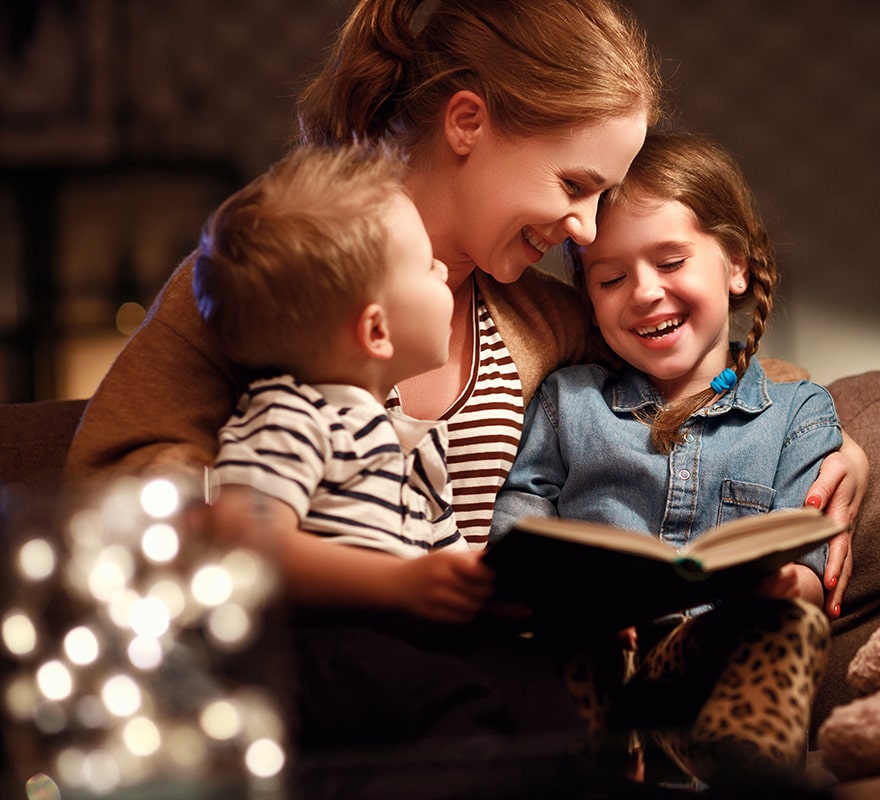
x=832 y=581
x=836 y=611
x=815 y=501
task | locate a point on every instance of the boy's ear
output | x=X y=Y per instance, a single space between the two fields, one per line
x=372 y=332
x=464 y=121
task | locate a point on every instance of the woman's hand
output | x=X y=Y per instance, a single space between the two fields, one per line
x=839 y=491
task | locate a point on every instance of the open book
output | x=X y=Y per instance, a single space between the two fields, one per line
x=595 y=576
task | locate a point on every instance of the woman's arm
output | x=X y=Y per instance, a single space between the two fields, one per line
x=164 y=398
x=839 y=491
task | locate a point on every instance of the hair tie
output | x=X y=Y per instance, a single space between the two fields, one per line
x=724 y=380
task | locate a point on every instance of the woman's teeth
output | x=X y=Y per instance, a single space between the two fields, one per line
x=539 y=244
x=661 y=328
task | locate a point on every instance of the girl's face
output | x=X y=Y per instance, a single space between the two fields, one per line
x=660 y=290
x=513 y=199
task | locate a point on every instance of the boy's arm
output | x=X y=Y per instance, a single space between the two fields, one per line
x=443 y=586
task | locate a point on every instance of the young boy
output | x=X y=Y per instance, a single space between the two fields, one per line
x=319 y=276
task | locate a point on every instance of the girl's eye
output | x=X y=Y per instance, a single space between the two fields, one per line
x=671 y=266
x=610 y=283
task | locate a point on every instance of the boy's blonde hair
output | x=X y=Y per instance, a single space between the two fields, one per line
x=699 y=173
x=285 y=261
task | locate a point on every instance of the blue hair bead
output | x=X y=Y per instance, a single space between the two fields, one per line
x=724 y=380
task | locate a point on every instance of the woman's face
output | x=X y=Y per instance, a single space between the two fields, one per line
x=516 y=198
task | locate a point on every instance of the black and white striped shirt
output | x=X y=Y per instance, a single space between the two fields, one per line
x=348 y=470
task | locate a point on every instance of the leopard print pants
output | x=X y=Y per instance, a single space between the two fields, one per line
x=744 y=674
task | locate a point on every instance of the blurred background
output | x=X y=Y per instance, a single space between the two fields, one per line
x=124 y=122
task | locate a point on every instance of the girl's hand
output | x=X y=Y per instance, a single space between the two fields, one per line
x=444 y=586
x=793 y=580
x=839 y=491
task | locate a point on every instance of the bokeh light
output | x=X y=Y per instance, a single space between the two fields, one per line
x=121 y=695
x=116 y=683
x=36 y=560
x=265 y=758
x=54 y=680
x=81 y=645
x=160 y=543
x=211 y=585
x=160 y=498
x=18 y=632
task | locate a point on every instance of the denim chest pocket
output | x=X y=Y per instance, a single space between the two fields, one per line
x=741 y=498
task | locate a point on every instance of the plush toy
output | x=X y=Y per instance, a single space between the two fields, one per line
x=849 y=739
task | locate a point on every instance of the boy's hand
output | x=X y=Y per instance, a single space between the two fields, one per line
x=793 y=580
x=445 y=586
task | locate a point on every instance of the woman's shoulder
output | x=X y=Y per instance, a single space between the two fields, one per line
x=542 y=321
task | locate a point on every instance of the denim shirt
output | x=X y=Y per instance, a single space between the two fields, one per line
x=584 y=454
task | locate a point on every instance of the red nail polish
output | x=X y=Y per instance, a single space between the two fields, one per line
x=815 y=501
x=836 y=611
x=832 y=581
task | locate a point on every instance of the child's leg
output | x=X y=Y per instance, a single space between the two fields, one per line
x=760 y=705
x=750 y=670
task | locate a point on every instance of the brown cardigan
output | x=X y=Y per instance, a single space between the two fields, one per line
x=171 y=388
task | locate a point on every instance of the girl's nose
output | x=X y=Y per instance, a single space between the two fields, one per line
x=646 y=287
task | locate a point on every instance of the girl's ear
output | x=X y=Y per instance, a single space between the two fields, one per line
x=372 y=332
x=739 y=275
x=464 y=121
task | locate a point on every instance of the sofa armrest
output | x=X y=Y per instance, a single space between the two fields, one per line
x=858 y=403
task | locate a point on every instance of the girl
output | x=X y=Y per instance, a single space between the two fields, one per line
x=687 y=431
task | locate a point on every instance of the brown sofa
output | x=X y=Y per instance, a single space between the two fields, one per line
x=34 y=438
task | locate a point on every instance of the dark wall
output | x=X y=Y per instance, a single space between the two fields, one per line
x=793 y=88
x=108 y=107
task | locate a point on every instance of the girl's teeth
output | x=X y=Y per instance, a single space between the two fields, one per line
x=660 y=327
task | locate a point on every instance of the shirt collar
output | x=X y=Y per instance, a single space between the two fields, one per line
x=633 y=391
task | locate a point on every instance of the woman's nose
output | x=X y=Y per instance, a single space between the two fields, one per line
x=580 y=224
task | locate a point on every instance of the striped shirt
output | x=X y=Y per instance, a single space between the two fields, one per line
x=350 y=472
x=485 y=425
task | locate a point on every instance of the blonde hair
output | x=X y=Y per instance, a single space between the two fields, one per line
x=283 y=261
x=700 y=174
x=540 y=65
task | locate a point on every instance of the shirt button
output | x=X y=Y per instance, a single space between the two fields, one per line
x=684 y=474
x=689 y=437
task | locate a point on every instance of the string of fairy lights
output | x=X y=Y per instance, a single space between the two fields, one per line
x=124 y=690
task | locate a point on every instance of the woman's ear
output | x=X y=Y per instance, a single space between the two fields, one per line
x=464 y=121
x=372 y=332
